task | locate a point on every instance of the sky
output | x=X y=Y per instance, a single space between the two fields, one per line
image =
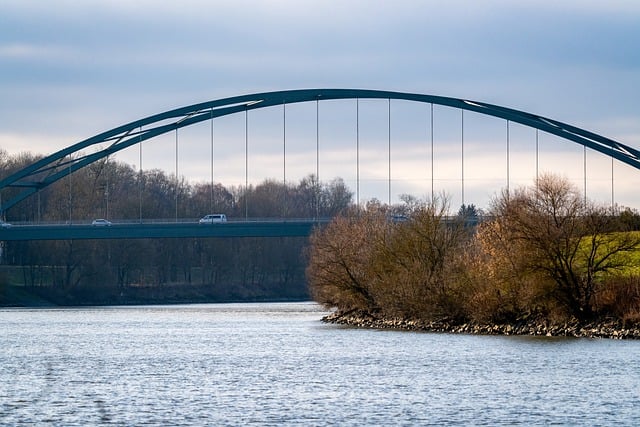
x=72 y=69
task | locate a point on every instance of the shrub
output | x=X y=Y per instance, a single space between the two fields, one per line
x=620 y=298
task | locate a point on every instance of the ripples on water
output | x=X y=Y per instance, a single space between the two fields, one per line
x=277 y=364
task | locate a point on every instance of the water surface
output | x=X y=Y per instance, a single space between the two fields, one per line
x=277 y=364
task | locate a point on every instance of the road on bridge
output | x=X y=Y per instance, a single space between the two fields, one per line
x=256 y=228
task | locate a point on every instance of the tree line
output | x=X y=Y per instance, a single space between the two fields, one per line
x=213 y=269
x=542 y=251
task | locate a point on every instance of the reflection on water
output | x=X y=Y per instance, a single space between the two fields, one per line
x=275 y=364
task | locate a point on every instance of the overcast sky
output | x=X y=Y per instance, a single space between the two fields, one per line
x=72 y=69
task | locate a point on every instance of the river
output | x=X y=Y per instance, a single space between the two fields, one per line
x=277 y=364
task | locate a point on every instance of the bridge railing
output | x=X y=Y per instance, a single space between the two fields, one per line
x=166 y=221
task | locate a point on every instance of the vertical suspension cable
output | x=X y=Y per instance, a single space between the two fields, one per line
x=389 y=148
x=613 y=206
x=246 y=163
x=317 y=190
x=177 y=182
x=69 y=180
x=284 y=143
x=284 y=158
x=537 y=158
x=584 y=172
x=358 y=151
x=462 y=149
x=212 y=181
x=106 y=190
x=318 y=140
x=140 y=173
x=508 y=162
x=432 y=153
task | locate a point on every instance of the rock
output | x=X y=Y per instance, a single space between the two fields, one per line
x=525 y=326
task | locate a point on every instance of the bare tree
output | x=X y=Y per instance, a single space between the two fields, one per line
x=563 y=239
x=372 y=261
x=416 y=262
x=338 y=271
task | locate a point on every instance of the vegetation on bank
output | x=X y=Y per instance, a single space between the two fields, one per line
x=542 y=252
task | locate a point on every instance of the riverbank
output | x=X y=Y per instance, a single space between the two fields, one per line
x=605 y=328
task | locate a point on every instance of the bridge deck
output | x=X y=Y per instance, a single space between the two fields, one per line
x=159 y=230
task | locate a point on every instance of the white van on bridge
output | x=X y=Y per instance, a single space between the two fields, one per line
x=213 y=218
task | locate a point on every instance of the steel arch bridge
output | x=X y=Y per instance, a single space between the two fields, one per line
x=58 y=165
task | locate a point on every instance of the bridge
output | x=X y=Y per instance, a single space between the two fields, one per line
x=34 y=178
x=164 y=229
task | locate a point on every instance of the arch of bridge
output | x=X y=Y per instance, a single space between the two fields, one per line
x=59 y=164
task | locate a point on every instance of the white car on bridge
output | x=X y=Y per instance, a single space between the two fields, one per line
x=101 y=223
x=213 y=219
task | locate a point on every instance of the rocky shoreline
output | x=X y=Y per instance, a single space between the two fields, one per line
x=607 y=328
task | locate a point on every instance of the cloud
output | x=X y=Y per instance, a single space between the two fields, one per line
x=74 y=69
